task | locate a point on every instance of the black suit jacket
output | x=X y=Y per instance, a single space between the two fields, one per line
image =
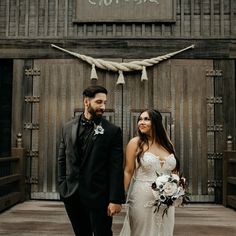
x=99 y=178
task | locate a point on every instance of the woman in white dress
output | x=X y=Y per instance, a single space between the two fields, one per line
x=149 y=153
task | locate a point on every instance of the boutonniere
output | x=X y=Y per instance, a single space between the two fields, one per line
x=98 y=129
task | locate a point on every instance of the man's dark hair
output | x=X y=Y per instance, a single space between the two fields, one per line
x=91 y=91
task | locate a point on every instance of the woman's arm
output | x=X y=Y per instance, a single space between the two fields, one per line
x=130 y=157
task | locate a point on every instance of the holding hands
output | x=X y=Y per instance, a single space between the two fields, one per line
x=113 y=209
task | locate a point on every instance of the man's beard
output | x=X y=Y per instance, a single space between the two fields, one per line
x=94 y=113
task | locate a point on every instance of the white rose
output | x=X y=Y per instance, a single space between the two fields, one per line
x=170 y=188
x=162 y=179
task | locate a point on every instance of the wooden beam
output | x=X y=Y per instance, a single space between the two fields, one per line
x=9 y=179
x=111 y=48
x=7 y=159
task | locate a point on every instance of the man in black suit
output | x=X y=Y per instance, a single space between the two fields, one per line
x=90 y=167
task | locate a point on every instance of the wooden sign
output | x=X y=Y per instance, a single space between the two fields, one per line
x=125 y=11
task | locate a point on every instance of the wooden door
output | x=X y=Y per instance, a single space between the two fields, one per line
x=182 y=87
x=59 y=87
x=178 y=88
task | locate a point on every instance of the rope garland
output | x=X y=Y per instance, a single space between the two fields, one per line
x=123 y=66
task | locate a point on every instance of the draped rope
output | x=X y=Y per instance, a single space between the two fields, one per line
x=122 y=66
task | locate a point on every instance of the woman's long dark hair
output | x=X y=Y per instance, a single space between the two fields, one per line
x=159 y=135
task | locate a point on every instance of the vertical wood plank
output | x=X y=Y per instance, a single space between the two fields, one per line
x=66 y=18
x=201 y=18
x=46 y=17
x=123 y=30
x=222 y=17
x=56 y=18
x=192 y=17
x=27 y=18
x=232 y=5
x=153 y=30
x=104 y=29
x=143 y=30
x=37 y=18
x=114 y=30
x=85 y=28
x=17 y=17
x=17 y=98
x=162 y=29
x=212 y=18
x=94 y=29
x=133 y=30
x=7 y=17
x=182 y=17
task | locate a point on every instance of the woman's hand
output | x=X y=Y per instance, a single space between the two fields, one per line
x=113 y=209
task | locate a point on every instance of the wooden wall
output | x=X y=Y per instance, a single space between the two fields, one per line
x=55 y=18
x=179 y=87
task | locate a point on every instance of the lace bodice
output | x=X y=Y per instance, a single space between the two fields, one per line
x=151 y=164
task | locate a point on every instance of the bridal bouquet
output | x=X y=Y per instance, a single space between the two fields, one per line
x=169 y=190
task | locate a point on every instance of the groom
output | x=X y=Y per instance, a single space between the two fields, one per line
x=90 y=167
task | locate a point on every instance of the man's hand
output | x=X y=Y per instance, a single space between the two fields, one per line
x=113 y=209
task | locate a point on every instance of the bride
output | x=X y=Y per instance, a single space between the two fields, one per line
x=149 y=153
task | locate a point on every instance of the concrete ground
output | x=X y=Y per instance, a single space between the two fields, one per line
x=48 y=218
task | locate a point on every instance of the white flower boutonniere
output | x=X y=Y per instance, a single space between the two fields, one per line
x=98 y=129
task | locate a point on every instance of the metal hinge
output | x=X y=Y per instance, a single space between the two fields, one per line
x=215 y=128
x=33 y=126
x=216 y=73
x=32 y=72
x=32 y=153
x=31 y=180
x=215 y=155
x=32 y=99
x=214 y=100
x=214 y=183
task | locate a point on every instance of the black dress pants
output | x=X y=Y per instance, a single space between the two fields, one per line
x=86 y=221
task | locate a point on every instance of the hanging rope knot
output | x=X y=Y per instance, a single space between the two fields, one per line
x=121 y=79
x=93 y=73
x=144 y=74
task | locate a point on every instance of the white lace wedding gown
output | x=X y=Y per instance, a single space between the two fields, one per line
x=141 y=219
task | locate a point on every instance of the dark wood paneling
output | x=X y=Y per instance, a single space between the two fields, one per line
x=60 y=87
x=225 y=87
x=46 y=18
x=113 y=48
x=6 y=77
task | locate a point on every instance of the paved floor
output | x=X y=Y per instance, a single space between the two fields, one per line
x=48 y=218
